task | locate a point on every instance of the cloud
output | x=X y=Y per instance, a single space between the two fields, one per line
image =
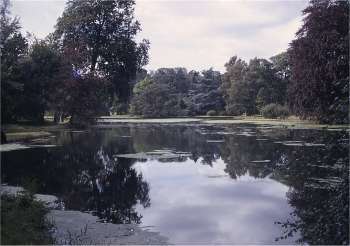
x=39 y=16
x=203 y=34
x=196 y=34
x=190 y=208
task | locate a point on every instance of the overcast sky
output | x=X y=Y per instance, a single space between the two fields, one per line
x=195 y=34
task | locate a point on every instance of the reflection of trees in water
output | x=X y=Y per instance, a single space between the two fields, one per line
x=319 y=193
x=84 y=173
x=86 y=176
x=317 y=176
x=239 y=152
x=111 y=191
x=179 y=138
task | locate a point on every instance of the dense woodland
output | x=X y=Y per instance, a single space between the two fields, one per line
x=91 y=65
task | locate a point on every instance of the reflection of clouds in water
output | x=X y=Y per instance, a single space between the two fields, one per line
x=217 y=168
x=192 y=208
x=197 y=200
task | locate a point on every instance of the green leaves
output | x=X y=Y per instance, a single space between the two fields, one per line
x=247 y=88
x=319 y=60
x=99 y=37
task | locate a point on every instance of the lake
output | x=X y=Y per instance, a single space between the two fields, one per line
x=199 y=183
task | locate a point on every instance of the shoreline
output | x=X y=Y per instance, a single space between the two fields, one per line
x=291 y=122
x=75 y=227
x=18 y=133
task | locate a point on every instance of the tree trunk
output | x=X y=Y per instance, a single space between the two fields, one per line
x=3 y=138
x=56 y=117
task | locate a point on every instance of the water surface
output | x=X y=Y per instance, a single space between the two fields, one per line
x=198 y=183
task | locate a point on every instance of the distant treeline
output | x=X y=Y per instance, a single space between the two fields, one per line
x=91 y=65
x=242 y=89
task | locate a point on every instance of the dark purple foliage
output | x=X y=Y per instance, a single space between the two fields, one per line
x=319 y=59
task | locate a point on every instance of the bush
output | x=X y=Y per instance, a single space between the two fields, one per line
x=23 y=220
x=235 y=109
x=275 y=111
x=222 y=113
x=211 y=113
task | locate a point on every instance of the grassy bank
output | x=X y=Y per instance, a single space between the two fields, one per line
x=20 y=127
x=22 y=132
x=21 y=136
x=23 y=220
x=290 y=122
x=25 y=131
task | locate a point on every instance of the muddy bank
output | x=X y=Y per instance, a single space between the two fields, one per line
x=74 y=227
x=49 y=200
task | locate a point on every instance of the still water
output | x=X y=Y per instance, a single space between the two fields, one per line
x=199 y=183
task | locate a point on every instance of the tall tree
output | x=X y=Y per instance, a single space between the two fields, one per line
x=99 y=37
x=234 y=91
x=13 y=49
x=39 y=72
x=204 y=93
x=155 y=99
x=319 y=59
x=175 y=92
x=268 y=82
x=281 y=64
x=249 y=87
x=177 y=78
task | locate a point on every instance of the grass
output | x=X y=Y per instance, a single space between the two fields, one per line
x=290 y=122
x=22 y=131
x=23 y=220
x=19 y=127
x=20 y=136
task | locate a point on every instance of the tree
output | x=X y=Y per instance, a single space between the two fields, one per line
x=39 y=72
x=13 y=49
x=177 y=93
x=266 y=82
x=281 y=64
x=99 y=37
x=204 y=92
x=162 y=93
x=51 y=84
x=259 y=78
x=155 y=99
x=87 y=98
x=249 y=87
x=233 y=89
x=319 y=57
x=177 y=78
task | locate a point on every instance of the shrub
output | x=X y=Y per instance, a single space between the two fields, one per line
x=23 y=220
x=235 y=109
x=275 y=111
x=211 y=113
x=222 y=113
